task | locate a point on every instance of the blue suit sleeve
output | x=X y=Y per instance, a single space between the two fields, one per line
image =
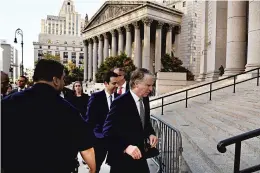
x=113 y=130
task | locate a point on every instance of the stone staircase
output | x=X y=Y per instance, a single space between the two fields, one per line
x=204 y=123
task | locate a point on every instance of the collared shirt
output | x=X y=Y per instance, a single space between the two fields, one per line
x=108 y=98
x=20 y=89
x=137 y=100
x=123 y=88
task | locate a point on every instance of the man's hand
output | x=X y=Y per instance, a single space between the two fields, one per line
x=133 y=151
x=153 y=140
x=89 y=157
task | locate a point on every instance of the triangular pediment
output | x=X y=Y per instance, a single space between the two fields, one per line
x=111 y=10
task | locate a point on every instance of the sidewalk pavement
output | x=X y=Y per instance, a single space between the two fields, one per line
x=105 y=168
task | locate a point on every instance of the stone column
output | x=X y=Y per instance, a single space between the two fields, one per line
x=120 y=41
x=100 y=50
x=95 y=58
x=128 y=41
x=236 y=37
x=137 y=56
x=177 y=41
x=147 y=59
x=203 y=41
x=169 y=39
x=158 y=46
x=85 y=60
x=113 y=32
x=106 y=46
x=90 y=58
x=253 y=53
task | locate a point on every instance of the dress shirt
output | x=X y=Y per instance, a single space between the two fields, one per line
x=123 y=88
x=137 y=101
x=108 y=98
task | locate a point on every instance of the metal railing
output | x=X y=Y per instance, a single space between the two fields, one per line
x=169 y=145
x=237 y=141
x=210 y=91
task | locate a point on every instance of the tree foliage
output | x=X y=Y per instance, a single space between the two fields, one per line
x=174 y=64
x=121 y=61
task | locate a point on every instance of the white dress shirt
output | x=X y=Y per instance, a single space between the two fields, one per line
x=137 y=101
x=108 y=99
x=123 y=88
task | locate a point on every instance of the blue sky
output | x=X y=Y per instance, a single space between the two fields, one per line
x=27 y=15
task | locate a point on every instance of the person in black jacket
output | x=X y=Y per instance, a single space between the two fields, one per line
x=42 y=128
x=79 y=99
x=128 y=126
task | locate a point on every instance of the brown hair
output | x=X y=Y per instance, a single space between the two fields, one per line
x=73 y=87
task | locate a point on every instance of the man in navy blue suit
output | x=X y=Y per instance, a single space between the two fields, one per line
x=128 y=126
x=98 y=107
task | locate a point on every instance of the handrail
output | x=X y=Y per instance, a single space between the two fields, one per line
x=237 y=141
x=202 y=85
x=170 y=146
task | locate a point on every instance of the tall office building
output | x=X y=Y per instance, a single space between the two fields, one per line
x=61 y=35
x=9 y=60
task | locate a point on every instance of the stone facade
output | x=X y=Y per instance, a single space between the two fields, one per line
x=61 y=35
x=145 y=30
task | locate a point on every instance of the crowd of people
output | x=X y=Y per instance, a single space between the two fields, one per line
x=47 y=125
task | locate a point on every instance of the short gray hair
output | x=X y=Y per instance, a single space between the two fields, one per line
x=138 y=76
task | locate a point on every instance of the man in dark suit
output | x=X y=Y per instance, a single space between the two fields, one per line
x=128 y=126
x=98 y=107
x=51 y=131
x=4 y=84
x=123 y=85
x=22 y=81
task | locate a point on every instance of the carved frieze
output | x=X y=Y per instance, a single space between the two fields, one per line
x=147 y=21
x=112 y=11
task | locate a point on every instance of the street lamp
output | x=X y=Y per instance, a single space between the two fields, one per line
x=20 y=32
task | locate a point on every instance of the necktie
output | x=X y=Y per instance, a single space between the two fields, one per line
x=142 y=112
x=110 y=97
x=120 y=90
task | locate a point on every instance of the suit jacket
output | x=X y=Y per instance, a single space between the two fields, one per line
x=97 y=112
x=123 y=127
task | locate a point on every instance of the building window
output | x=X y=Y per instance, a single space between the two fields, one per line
x=65 y=57
x=195 y=14
x=49 y=47
x=195 y=37
x=40 y=47
x=57 y=48
x=68 y=3
x=40 y=54
x=65 y=48
x=81 y=49
x=73 y=57
x=73 y=48
x=73 y=42
x=195 y=25
x=184 y=4
x=49 y=52
x=81 y=58
x=194 y=48
x=65 y=42
x=173 y=6
x=57 y=53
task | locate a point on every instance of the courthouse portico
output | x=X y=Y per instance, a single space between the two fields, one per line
x=143 y=30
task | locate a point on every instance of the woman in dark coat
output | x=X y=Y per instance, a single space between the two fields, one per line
x=79 y=99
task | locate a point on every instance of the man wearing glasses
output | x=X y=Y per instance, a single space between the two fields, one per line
x=123 y=85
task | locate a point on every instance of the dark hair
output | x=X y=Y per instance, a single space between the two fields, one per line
x=108 y=75
x=138 y=75
x=73 y=87
x=46 y=69
x=120 y=69
x=25 y=78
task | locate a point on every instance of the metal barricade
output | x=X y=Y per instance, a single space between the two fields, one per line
x=169 y=145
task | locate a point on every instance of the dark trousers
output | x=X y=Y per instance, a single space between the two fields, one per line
x=129 y=165
x=100 y=153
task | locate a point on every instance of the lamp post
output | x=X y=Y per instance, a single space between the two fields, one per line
x=20 y=32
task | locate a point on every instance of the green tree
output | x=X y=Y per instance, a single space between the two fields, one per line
x=121 y=61
x=174 y=64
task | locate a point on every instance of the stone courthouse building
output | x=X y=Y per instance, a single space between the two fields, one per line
x=224 y=33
